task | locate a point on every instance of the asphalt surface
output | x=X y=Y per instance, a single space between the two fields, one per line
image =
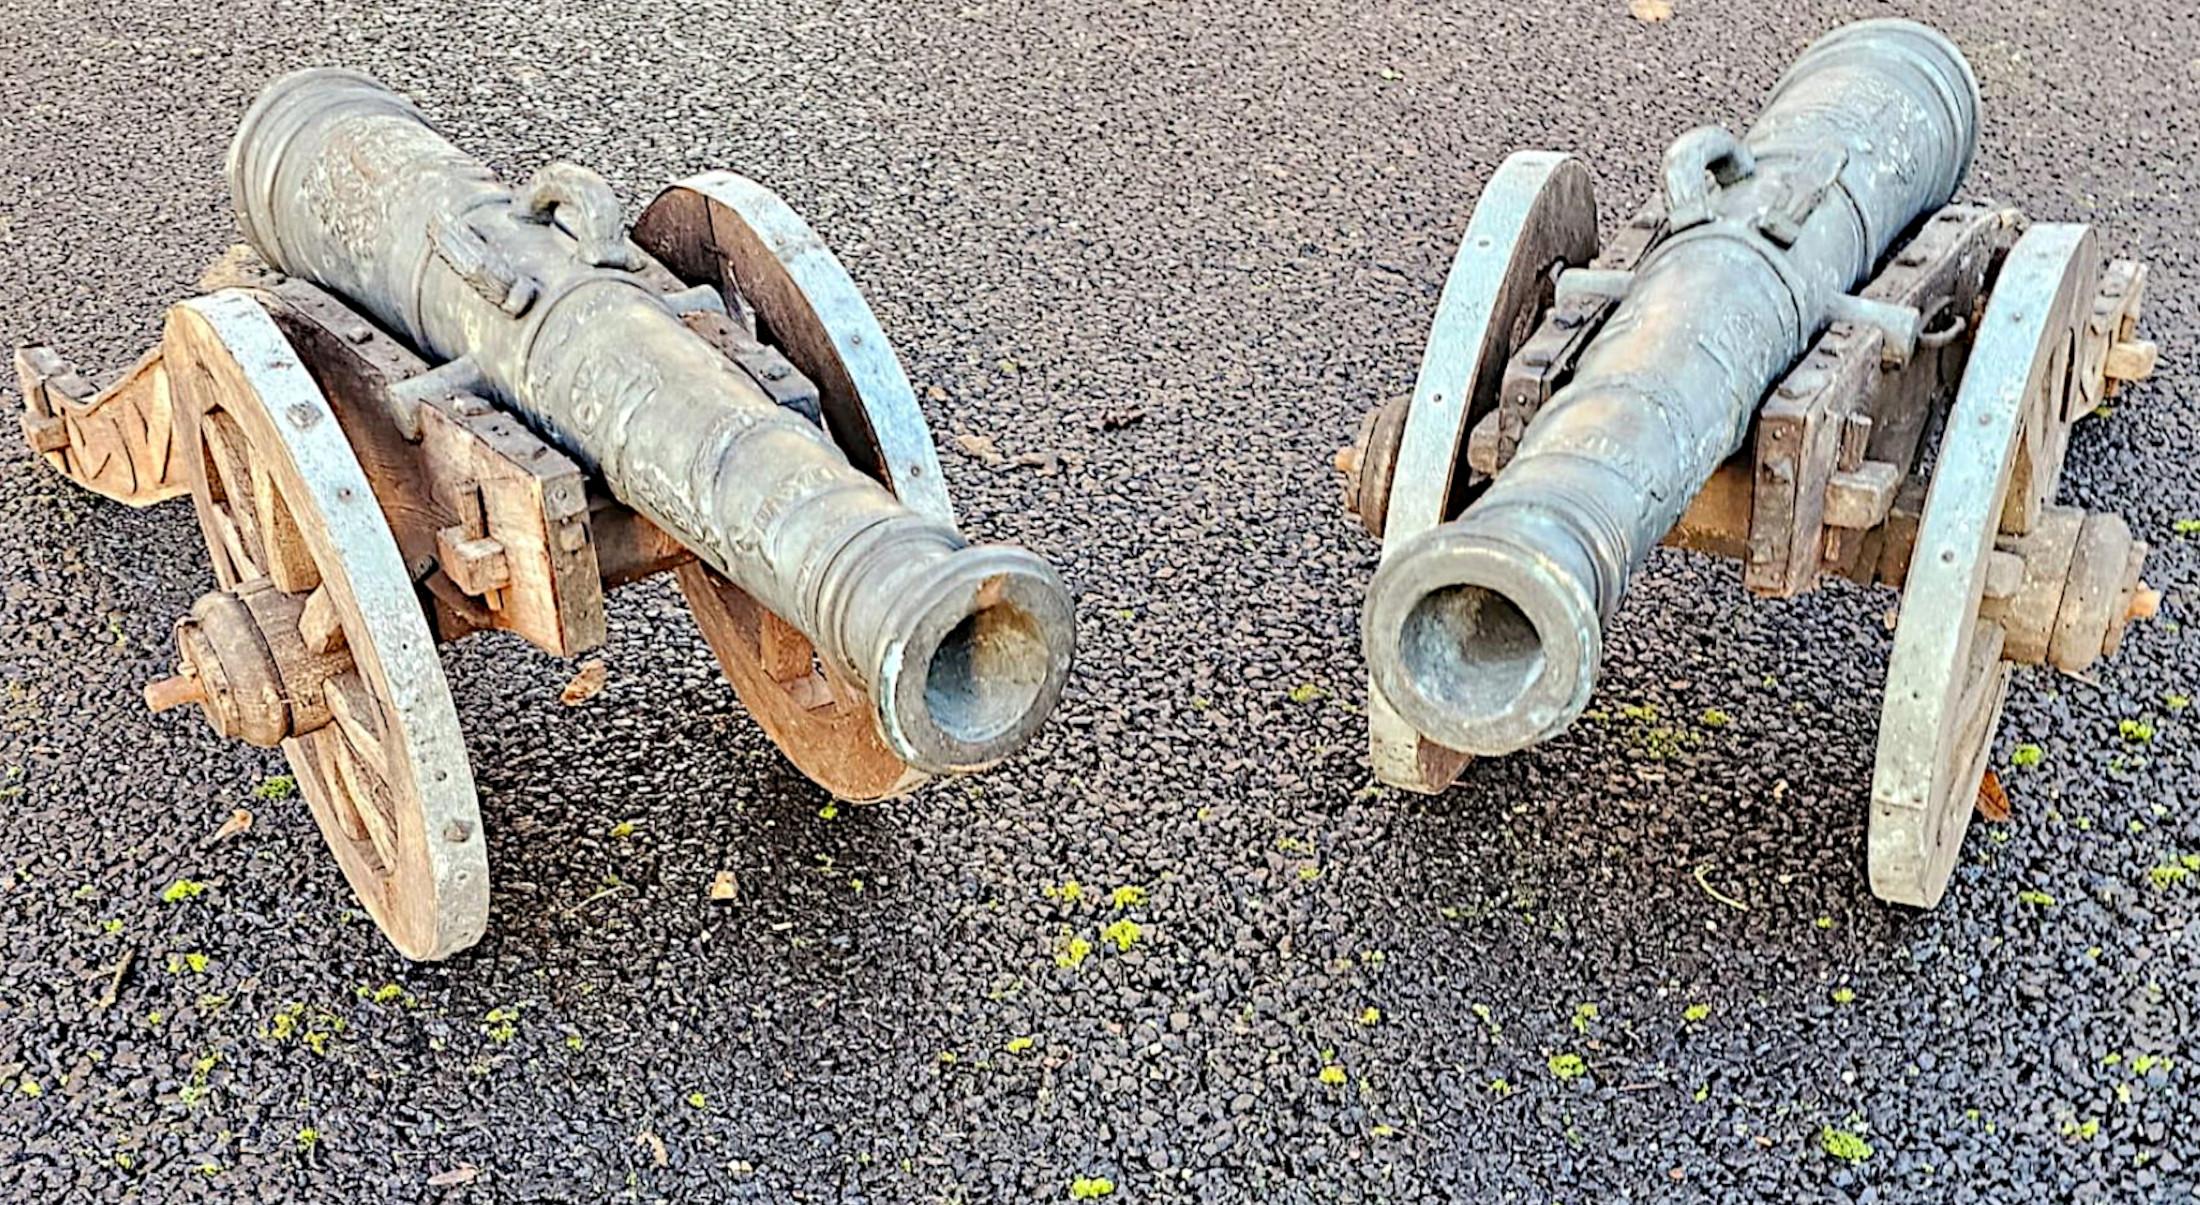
x=1234 y=218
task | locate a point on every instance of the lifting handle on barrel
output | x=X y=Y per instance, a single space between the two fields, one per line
x=1706 y=151
x=590 y=210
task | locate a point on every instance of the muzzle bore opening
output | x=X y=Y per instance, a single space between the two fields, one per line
x=1470 y=650
x=987 y=674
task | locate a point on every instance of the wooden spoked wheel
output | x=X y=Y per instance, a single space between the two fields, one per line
x=1998 y=463
x=295 y=532
x=1537 y=213
x=732 y=233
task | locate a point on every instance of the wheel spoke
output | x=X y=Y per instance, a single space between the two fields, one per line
x=843 y=693
x=289 y=562
x=242 y=566
x=786 y=653
x=319 y=625
x=326 y=752
x=228 y=453
x=358 y=718
x=363 y=794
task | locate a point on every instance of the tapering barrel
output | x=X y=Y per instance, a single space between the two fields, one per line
x=1485 y=632
x=530 y=298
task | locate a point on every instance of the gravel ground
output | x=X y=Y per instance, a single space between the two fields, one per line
x=1235 y=217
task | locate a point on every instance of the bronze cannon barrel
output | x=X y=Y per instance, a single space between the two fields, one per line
x=1485 y=631
x=531 y=298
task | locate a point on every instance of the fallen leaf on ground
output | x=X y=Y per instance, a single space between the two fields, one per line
x=724 y=887
x=1993 y=802
x=239 y=821
x=586 y=684
x=114 y=983
x=981 y=449
x=656 y=1147
x=1649 y=12
x=464 y=1173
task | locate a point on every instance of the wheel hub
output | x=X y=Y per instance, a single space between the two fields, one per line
x=241 y=658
